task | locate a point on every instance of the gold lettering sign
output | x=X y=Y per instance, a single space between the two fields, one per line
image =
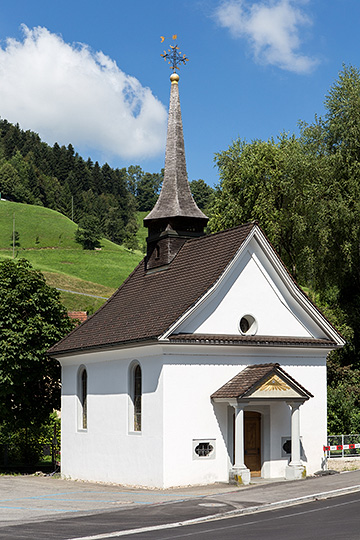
x=274 y=384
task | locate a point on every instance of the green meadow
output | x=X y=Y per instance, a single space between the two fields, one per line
x=46 y=240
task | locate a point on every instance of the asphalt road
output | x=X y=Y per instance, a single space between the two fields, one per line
x=328 y=519
x=106 y=522
x=319 y=520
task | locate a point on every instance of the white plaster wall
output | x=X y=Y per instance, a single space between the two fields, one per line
x=313 y=413
x=310 y=373
x=251 y=287
x=183 y=378
x=108 y=450
x=189 y=414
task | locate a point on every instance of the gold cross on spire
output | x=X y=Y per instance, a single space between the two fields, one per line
x=173 y=56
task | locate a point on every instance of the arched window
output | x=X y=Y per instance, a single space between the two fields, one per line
x=83 y=392
x=137 y=397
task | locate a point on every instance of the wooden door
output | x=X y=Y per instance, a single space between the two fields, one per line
x=252 y=442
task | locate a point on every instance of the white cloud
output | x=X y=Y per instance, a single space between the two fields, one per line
x=69 y=94
x=272 y=28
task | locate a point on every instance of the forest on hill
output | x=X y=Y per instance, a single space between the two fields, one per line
x=56 y=177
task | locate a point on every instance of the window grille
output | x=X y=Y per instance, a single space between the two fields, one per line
x=204 y=449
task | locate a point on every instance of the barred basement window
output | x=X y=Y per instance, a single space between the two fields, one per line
x=204 y=449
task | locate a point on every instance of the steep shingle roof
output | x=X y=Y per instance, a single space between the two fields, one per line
x=147 y=304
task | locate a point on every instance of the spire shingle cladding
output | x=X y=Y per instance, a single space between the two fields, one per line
x=175 y=199
x=175 y=217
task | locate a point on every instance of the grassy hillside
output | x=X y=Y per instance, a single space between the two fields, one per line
x=142 y=233
x=47 y=241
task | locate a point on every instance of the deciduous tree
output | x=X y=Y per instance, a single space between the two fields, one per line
x=88 y=234
x=31 y=320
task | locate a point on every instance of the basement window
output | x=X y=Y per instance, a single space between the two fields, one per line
x=204 y=449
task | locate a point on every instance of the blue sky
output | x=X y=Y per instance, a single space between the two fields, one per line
x=90 y=73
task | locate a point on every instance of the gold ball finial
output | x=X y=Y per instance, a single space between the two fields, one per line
x=174 y=78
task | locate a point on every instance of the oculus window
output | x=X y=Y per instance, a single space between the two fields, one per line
x=248 y=325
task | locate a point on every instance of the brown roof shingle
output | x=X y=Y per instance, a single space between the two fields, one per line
x=275 y=341
x=252 y=376
x=147 y=304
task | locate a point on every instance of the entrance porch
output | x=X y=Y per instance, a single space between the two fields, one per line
x=264 y=400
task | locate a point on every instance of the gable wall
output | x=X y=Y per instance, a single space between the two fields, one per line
x=251 y=286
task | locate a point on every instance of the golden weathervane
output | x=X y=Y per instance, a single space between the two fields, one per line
x=173 y=56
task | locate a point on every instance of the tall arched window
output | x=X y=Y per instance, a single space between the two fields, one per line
x=83 y=392
x=137 y=397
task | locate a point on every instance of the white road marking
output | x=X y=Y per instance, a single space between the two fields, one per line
x=118 y=534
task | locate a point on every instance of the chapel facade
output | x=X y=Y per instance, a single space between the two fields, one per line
x=207 y=365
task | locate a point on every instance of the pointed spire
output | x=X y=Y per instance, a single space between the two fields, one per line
x=175 y=199
x=175 y=216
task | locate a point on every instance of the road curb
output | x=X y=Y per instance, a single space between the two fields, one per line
x=282 y=504
x=227 y=515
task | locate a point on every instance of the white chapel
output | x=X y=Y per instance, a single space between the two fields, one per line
x=207 y=365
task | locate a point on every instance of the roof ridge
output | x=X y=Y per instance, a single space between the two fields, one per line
x=224 y=231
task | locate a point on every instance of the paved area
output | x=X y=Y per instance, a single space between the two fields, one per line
x=34 y=500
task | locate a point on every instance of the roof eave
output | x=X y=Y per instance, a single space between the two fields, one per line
x=243 y=342
x=103 y=347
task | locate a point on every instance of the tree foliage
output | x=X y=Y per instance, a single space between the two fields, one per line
x=57 y=177
x=145 y=187
x=31 y=320
x=305 y=193
x=202 y=193
x=271 y=182
x=88 y=234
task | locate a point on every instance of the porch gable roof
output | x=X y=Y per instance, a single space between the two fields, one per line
x=259 y=381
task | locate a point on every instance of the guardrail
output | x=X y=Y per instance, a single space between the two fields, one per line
x=341 y=446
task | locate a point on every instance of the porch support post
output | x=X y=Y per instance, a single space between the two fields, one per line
x=295 y=469
x=240 y=473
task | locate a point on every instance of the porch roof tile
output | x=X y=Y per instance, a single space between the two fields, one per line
x=251 y=377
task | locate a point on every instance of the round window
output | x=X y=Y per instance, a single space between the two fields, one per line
x=248 y=325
